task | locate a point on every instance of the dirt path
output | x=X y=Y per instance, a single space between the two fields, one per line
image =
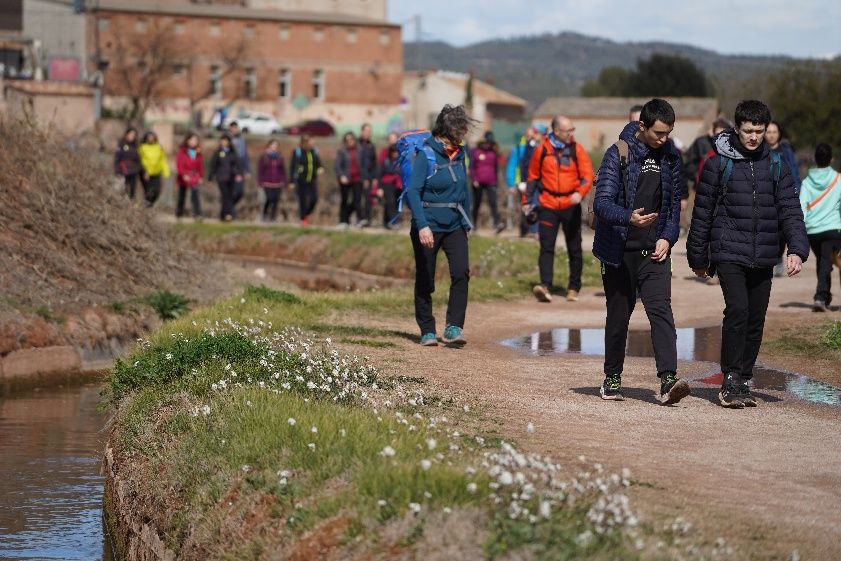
x=767 y=479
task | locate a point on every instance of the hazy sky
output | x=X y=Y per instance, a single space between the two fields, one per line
x=801 y=28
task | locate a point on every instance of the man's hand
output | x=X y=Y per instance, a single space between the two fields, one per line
x=795 y=265
x=683 y=204
x=701 y=272
x=427 y=240
x=661 y=251
x=343 y=180
x=522 y=187
x=238 y=178
x=476 y=184
x=320 y=171
x=640 y=220
x=575 y=198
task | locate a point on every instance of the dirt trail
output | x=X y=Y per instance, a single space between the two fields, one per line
x=767 y=479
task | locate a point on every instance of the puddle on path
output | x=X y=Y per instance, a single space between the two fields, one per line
x=699 y=344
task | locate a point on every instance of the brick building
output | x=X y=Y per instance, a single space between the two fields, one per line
x=341 y=61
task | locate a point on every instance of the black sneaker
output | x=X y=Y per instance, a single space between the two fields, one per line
x=819 y=306
x=729 y=394
x=672 y=389
x=745 y=395
x=612 y=388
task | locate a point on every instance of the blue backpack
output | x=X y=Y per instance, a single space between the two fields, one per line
x=408 y=145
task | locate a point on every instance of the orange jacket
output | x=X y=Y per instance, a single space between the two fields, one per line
x=559 y=182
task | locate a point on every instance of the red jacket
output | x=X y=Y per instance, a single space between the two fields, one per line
x=560 y=179
x=190 y=170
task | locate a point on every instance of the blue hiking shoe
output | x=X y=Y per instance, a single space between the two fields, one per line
x=429 y=340
x=453 y=336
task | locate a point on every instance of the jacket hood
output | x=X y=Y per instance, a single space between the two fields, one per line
x=635 y=145
x=438 y=147
x=727 y=144
x=822 y=176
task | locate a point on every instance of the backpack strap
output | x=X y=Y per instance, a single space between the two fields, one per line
x=776 y=171
x=624 y=164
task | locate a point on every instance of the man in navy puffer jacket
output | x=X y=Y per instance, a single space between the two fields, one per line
x=735 y=234
x=637 y=206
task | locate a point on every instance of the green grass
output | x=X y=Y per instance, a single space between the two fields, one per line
x=815 y=341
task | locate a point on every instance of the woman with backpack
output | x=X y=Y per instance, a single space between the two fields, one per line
x=390 y=184
x=190 y=169
x=127 y=161
x=484 y=171
x=225 y=170
x=271 y=176
x=304 y=171
x=155 y=167
x=438 y=195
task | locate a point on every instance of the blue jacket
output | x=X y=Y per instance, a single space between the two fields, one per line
x=613 y=206
x=513 y=174
x=741 y=223
x=447 y=185
x=238 y=142
x=788 y=156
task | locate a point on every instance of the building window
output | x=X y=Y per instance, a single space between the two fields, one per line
x=179 y=70
x=385 y=38
x=103 y=24
x=249 y=32
x=179 y=28
x=318 y=34
x=351 y=35
x=250 y=83
x=285 y=84
x=140 y=26
x=215 y=81
x=318 y=85
x=284 y=32
x=214 y=30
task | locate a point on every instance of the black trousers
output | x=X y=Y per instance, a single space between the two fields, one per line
x=239 y=191
x=823 y=244
x=307 y=192
x=454 y=245
x=746 y=294
x=351 y=201
x=490 y=190
x=389 y=202
x=638 y=274
x=272 y=200
x=226 y=193
x=549 y=221
x=194 y=200
x=151 y=188
x=131 y=184
x=367 y=201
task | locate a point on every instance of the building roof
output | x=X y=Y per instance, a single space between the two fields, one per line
x=161 y=7
x=487 y=92
x=609 y=107
x=44 y=87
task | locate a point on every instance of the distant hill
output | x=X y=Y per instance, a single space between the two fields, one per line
x=541 y=66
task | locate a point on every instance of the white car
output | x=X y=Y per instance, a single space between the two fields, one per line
x=256 y=123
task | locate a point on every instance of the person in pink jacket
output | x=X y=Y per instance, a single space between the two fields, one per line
x=271 y=176
x=484 y=171
x=190 y=168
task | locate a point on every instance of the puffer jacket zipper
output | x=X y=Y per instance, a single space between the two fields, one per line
x=755 y=213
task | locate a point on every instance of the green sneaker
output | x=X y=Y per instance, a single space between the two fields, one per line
x=672 y=389
x=429 y=340
x=611 y=389
x=453 y=336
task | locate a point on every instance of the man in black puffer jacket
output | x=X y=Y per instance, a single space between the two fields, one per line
x=744 y=196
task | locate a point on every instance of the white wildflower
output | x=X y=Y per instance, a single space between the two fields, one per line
x=471 y=487
x=311 y=446
x=387 y=452
x=425 y=464
x=431 y=443
x=291 y=421
x=415 y=507
x=314 y=430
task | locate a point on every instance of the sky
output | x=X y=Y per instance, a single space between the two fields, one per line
x=798 y=28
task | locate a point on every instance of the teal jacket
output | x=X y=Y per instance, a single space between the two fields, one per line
x=447 y=185
x=824 y=215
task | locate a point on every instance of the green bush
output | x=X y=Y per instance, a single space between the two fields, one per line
x=168 y=305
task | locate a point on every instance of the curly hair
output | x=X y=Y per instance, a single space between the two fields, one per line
x=453 y=123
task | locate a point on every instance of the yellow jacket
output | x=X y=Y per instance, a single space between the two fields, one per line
x=153 y=159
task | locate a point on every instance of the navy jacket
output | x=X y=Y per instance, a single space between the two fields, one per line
x=613 y=206
x=744 y=227
x=447 y=185
x=224 y=165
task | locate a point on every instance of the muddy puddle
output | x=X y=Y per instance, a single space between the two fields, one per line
x=696 y=344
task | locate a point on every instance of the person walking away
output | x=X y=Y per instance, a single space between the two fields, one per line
x=127 y=161
x=561 y=174
x=155 y=167
x=349 y=172
x=241 y=149
x=484 y=173
x=368 y=172
x=780 y=146
x=517 y=171
x=391 y=185
x=304 y=169
x=440 y=203
x=637 y=208
x=820 y=201
x=189 y=165
x=745 y=197
x=271 y=176
x=224 y=169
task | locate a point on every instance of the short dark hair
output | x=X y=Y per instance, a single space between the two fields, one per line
x=722 y=123
x=752 y=111
x=634 y=109
x=657 y=110
x=823 y=154
x=453 y=122
x=233 y=124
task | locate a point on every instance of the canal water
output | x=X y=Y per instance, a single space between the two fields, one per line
x=51 y=443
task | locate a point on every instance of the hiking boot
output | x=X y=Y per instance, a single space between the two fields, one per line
x=499 y=228
x=729 y=394
x=453 y=336
x=542 y=293
x=611 y=389
x=672 y=389
x=572 y=295
x=745 y=395
x=429 y=340
x=819 y=306
x=363 y=223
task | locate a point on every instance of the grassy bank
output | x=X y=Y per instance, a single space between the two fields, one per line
x=244 y=437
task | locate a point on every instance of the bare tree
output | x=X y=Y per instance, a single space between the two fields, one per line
x=231 y=62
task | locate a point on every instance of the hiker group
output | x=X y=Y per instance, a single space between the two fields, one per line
x=747 y=222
